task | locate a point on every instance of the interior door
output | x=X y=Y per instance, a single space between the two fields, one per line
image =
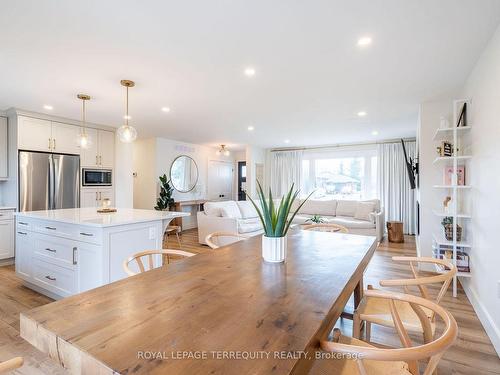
x=220 y=180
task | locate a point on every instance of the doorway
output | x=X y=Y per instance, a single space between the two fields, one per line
x=242 y=180
x=220 y=180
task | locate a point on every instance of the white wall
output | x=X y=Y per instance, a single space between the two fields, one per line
x=429 y=174
x=483 y=88
x=124 y=182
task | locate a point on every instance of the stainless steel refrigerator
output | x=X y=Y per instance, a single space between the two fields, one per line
x=48 y=181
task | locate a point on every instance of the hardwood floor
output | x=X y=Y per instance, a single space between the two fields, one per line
x=472 y=353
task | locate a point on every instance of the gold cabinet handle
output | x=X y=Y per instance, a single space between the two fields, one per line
x=50 y=144
x=96 y=196
x=96 y=160
x=54 y=144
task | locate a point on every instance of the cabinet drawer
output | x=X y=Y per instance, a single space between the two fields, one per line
x=59 y=280
x=23 y=225
x=55 y=250
x=56 y=229
x=92 y=235
x=6 y=215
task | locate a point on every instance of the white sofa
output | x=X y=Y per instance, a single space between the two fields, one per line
x=360 y=217
x=228 y=216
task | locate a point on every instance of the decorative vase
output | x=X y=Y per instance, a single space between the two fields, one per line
x=274 y=249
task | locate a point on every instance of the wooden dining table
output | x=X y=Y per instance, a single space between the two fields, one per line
x=221 y=312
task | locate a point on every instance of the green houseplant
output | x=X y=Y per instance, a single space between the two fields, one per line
x=165 y=201
x=316 y=219
x=276 y=221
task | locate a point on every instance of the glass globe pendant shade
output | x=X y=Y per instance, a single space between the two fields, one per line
x=127 y=133
x=84 y=141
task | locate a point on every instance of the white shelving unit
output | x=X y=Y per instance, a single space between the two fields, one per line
x=453 y=134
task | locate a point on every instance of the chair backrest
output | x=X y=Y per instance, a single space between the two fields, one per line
x=433 y=350
x=11 y=364
x=138 y=257
x=218 y=239
x=326 y=227
x=447 y=272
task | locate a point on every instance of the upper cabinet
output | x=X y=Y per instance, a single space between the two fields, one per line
x=50 y=136
x=101 y=153
x=65 y=138
x=4 y=155
x=34 y=134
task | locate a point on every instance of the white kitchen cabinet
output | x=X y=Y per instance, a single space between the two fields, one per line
x=106 y=149
x=102 y=152
x=4 y=152
x=93 y=197
x=24 y=252
x=65 y=138
x=90 y=155
x=34 y=134
x=6 y=239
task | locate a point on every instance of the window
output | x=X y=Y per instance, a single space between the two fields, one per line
x=340 y=173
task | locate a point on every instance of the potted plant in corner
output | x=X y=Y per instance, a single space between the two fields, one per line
x=276 y=222
x=165 y=201
x=447 y=224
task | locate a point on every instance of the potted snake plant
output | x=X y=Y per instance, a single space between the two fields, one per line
x=276 y=221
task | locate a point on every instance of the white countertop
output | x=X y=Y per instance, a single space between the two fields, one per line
x=90 y=216
x=6 y=208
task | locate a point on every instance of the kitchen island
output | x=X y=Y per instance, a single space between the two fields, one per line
x=60 y=253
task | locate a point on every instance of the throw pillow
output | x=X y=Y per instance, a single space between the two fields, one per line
x=364 y=210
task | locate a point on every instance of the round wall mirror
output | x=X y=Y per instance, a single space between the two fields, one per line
x=184 y=173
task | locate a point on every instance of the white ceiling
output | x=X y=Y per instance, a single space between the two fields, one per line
x=311 y=77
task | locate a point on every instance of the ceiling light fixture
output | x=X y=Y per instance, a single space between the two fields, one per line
x=251 y=128
x=83 y=140
x=249 y=72
x=165 y=109
x=364 y=41
x=222 y=151
x=127 y=133
x=361 y=113
x=374 y=132
x=48 y=107
x=286 y=141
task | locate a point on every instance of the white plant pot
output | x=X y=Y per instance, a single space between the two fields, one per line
x=274 y=249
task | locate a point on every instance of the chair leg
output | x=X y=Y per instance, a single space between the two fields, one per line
x=368 y=332
x=178 y=240
x=356 y=326
x=167 y=240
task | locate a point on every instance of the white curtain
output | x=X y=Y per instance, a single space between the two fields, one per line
x=285 y=170
x=394 y=190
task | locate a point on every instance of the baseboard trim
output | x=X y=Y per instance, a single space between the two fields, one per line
x=485 y=318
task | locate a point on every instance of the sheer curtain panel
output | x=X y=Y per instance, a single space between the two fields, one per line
x=285 y=170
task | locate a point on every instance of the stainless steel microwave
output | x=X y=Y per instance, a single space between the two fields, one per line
x=97 y=177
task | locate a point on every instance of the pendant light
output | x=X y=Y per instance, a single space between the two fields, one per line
x=84 y=141
x=127 y=133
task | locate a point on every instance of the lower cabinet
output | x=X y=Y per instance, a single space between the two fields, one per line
x=6 y=234
x=93 y=197
x=61 y=266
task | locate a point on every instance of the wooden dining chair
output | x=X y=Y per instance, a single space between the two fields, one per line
x=353 y=356
x=11 y=365
x=326 y=227
x=215 y=240
x=149 y=254
x=173 y=229
x=378 y=311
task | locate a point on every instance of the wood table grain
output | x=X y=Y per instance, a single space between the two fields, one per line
x=215 y=308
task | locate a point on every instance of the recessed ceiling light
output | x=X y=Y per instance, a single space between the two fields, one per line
x=249 y=72
x=127 y=117
x=251 y=128
x=364 y=41
x=361 y=113
x=165 y=109
x=374 y=132
x=48 y=107
x=286 y=141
